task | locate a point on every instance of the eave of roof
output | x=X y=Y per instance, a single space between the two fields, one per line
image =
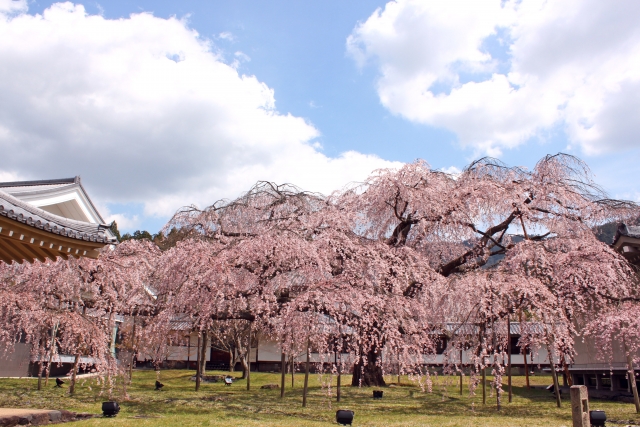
x=624 y=230
x=28 y=233
x=48 y=186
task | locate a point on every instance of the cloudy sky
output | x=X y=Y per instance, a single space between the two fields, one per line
x=160 y=104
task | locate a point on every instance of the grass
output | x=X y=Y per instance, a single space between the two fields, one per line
x=178 y=405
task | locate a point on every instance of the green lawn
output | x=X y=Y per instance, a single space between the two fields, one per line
x=216 y=405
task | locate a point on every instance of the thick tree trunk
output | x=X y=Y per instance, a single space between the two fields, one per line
x=369 y=374
x=232 y=361
x=203 y=355
x=556 y=385
x=72 y=386
x=54 y=331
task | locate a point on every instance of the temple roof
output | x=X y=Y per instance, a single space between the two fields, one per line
x=49 y=219
x=64 y=197
x=627 y=242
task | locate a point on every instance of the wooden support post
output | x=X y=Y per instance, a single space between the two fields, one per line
x=523 y=350
x=484 y=385
x=198 y=377
x=283 y=372
x=72 y=386
x=249 y=358
x=632 y=378
x=509 y=357
x=306 y=378
x=461 y=373
x=339 y=363
x=293 y=368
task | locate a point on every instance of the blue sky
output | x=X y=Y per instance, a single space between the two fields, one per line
x=414 y=80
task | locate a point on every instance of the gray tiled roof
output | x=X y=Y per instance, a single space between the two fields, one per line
x=628 y=231
x=25 y=213
x=45 y=186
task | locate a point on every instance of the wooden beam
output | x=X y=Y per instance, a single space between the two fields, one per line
x=32 y=249
x=15 y=247
x=6 y=257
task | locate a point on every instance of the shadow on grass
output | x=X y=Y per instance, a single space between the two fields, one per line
x=178 y=400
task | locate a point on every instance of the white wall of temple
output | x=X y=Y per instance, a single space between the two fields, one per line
x=268 y=351
x=588 y=356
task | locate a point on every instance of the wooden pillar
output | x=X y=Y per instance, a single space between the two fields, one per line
x=509 y=356
x=198 y=376
x=632 y=379
x=339 y=363
x=484 y=385
x=461 y=373
x=249 y=358
x=293 y=369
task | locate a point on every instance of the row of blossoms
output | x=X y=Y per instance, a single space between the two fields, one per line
x=381 y=270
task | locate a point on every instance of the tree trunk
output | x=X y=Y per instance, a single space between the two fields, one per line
x=203 y=356
x=72 y=386
x=293 y=372
x=556 y=385
x=40 y=367
x=283 y=373
x=198 y=375
x=249 y=358
x=369 y=374
x=54 y=331
x=632 y=378
x=306 y=379
x=232 y=361
x=484 y=385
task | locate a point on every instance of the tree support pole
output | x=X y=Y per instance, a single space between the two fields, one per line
x=198 y=377
x=249 y=358
x=632 y=378
x=292 y=372
x=306 y=379
x=283 y=372
x=72 y=386
x=484 y=385
x=509 y=356
x=339 y=388
x=461 y=373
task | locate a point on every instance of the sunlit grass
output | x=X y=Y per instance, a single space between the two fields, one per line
x=216 y=404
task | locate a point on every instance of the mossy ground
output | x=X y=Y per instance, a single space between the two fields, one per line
x=178 y=405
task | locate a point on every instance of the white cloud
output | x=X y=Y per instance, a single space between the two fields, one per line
x=573 y=63
x=13 y=6
x=147 y=112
